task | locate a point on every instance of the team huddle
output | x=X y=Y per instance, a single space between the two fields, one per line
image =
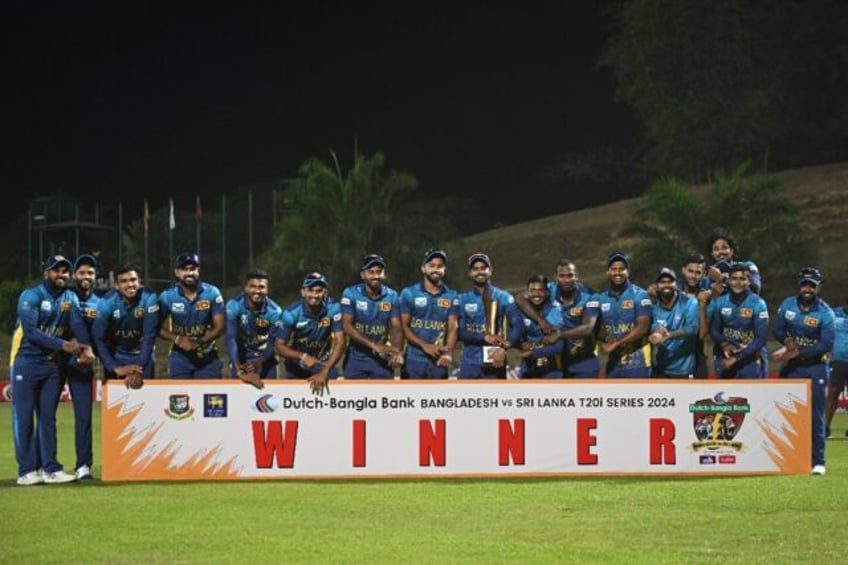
x=550 y=329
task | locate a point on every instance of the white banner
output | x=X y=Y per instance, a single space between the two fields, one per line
x=220 y=429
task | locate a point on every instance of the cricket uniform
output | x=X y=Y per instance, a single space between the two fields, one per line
x=545 y=361
x=579 y=354
x=372 y=318
x=618 y=315
x=813 y=333
x=80 y=379
x=428 y=319
x=45 y=320
x=310 y=334
x=474 y=325
x=192 y=318
x=677 y=357
x=744 y=324
x=249 y=334
x=125 y=332
x=838 y=360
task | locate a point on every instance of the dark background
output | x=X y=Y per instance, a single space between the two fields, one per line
x=158 y=100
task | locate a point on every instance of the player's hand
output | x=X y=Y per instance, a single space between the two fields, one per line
x=252 y=378
x=134 y=381
x=318 y=383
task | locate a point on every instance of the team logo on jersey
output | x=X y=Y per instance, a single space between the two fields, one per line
x=443 y=303
x=138 y=312
x=214 y=405
x=716 y=421
x=576 y=311
x=811 y=322
x=90 y=312
x=179 y=407
x=178 y=307
x=262 y=322
x=203 y=305
x=65 y=306
x=627 y=305
x=471 y=308
x=746 y=313
x=385 y=307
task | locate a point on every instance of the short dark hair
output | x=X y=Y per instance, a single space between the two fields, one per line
x=695 y=258
x=537 y=279
x=257 y=274
x=126 y=267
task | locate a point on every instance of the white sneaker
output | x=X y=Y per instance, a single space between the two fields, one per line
x=818 y=470
x=31 y=478
x=84 y=473
x=58 y=477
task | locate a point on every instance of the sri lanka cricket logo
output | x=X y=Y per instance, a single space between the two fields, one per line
x=717 y=420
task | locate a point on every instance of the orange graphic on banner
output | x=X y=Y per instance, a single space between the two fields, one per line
x=122 y=461
x=795 y=438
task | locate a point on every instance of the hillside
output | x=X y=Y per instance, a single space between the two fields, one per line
x=587 y=236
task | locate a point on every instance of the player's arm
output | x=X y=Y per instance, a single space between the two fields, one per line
x=524 y=306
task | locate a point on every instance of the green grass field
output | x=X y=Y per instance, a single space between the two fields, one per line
x=785 y=519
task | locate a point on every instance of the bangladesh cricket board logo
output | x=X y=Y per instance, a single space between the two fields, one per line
x=717 y=421
x=179 y=407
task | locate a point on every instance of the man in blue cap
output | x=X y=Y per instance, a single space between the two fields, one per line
x=311 y=338
x=80 y=377
x=429 y=316
x=623 y=311
x=192 y=318
x=371 y=321
x=805 y=326
x=489 y=323
x=49 y=325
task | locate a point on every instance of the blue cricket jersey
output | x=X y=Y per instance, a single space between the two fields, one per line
x=812 y=330
x=250 y=332
x=574 y=349
x=840 y=340
x=310 y=334
x=45 y=321
x=618 y=315
x=676 y=357
x=428 y=315
x=743 y=324
x=371 y=317
x=125 y=332
x=192 y=318
x=545 y=359
x=473 y=322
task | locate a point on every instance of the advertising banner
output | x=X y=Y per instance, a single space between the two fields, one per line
x=220 y=429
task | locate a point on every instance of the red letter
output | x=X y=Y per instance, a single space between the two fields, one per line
x=585 y=441
x=662 y=442
x=359 y=443
x=267 y=447
x=510 y=442
x=431 y=443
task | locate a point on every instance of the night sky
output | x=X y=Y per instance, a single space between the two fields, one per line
x=139 y=101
